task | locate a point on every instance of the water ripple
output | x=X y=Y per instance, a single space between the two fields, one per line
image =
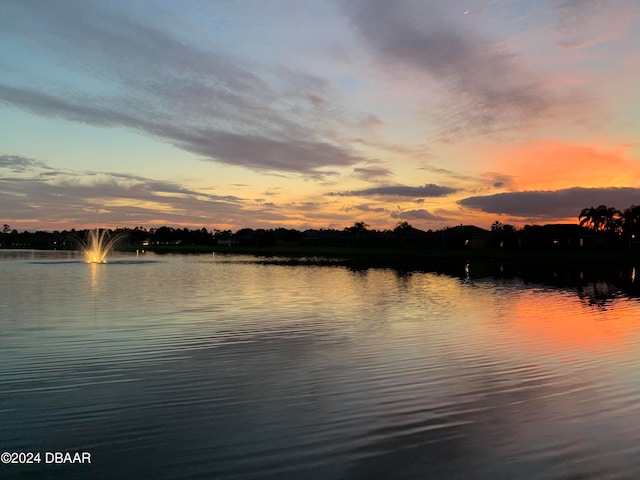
x=193 y=367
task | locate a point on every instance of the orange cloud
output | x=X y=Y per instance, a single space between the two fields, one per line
x=553 y=165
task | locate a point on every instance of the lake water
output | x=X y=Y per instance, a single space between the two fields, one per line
x=230 y=367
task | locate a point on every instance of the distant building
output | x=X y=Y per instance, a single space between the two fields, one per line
x=466 y=236
x=558 y=236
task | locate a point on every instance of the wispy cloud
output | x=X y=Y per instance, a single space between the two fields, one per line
x=419 y=214
x=365 y=207
x=126 y=73
x=583 y=23
x=429 y=190
x=372 y=173
x=70 y=198
x=488 y=86
x=19 y=164
x=488 y=180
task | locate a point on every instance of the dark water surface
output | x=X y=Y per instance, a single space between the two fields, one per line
x=223 y=367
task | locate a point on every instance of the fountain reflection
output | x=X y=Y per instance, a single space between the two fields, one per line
x=93 y=286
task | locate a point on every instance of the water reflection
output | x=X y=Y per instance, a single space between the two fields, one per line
x=598 y=287
x=230 y=367
x=598 y=294
x=619 y=279
x=94 y=269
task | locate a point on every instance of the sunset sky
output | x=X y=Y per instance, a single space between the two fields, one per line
x=308 y=114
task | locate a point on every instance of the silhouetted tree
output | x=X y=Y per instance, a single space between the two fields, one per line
x=222 y=237
x=590 y=218
x=287 y=236
x=357 y=228
x=403 y=227
x=631 y=221
x=502 y=227
x=601 y=219
x=612 y=220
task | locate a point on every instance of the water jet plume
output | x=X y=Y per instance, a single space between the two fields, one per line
x=97 y=245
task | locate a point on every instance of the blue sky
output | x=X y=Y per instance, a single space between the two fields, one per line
x=228 y=114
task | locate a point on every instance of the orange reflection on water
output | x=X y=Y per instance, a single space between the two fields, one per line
x=587 y=321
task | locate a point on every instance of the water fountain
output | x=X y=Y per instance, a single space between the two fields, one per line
x=97 y=245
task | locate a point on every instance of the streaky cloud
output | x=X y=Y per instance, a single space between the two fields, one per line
x=371 y=173
x=248 y=150
x=122 y=71
x=428 y=190
x=419 y=214
x=20 y=164
x=553 y=204
x=264 y=153
x=424 y=38
x=71 y=196
x=366 y=208
x=57 y=107
x=584 y=23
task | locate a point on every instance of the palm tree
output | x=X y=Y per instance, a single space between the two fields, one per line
x=611 y=219
x=590 y=218
x=601 y=219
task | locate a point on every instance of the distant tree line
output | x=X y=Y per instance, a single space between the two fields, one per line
x=359 y=234
x=129 y=237
x=598 y=226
